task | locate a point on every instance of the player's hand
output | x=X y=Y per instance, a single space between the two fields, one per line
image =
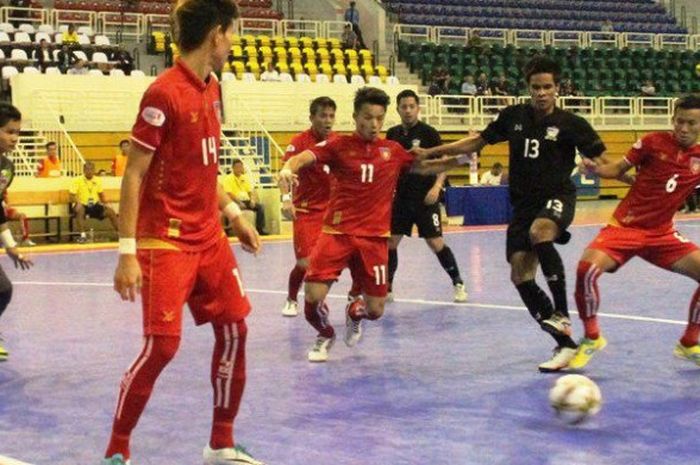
x=420 y=153
x=127 y=277
x=20 y=260
x=432 y=196
x=287 y=179
x=288 y=210
x=587 y=166
x=250 y=240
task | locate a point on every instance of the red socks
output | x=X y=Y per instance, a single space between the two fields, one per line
x=317 y=316
x=296 y=277
x=588 y=297
x=692 y=331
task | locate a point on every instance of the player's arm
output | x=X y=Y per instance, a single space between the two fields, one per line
x=471 y=143
x=127 y=277
x=250 y=241
x=608 y=169
x=10 y=244
x=288 y=173
x=439 y=165
x=434 y=193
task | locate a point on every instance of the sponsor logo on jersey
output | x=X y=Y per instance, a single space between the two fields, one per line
x=518 y=128
x=695 y=165
x=291 y=148
x=194 y=116
x=168 y=316
x=385 y=153
x=552 y=133
x=153 y=116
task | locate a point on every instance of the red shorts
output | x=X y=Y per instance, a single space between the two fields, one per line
x=662 y=248
x=208 y=281
x=367 y=255
x=307 y=229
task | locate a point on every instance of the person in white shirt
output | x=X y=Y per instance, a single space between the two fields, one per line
x=493 y=176
x=270 y=74
x=468 y=86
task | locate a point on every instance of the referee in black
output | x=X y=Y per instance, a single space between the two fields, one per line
x=542 y=148
x=416 y=198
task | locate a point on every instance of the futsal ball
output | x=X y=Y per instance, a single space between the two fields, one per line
x=574 y=398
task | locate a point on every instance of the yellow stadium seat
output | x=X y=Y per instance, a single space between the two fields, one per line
x=306 y=42
x=339 y=68
x=311 y=69
x=280 y=53
x=237 y=52
x=323 y=55
x=354 y=69
x=381 y=71
x=296 y=68
x=309 y=54
x=338 y=56
x=238 y=68
x=321 y=42
x=334 y=43
x=292 y=42
x=282 y=66
x=175 y=51
x=263 y=41
x=366 y=57
x=326 y=69
x=367 y=70
x=226 y=68
x=251 y=52
x=266 y=52
x=253 y=66
x=351 y=55
x=279 y=41
x=236 y=39
x=249 y=40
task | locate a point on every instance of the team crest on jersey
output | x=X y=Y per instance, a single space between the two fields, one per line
x=385 y=153
x=637 y=145
x=153 y=116
x=291 y=148
x=326 y=169
x=695 y=165
x=552 y=133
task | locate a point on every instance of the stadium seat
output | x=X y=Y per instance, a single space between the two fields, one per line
x=28 y=28
x=30 y=70
x=9 y=71
x=7 y=28
x=228 y=77
x=99 y=57
x=47 y=28
x=138 y=73
x=248 y=77
x=357 y=80
x=375 y=81
x=102 y=41
x=340 y=79
x=52 y=70
x=286 y=77
x=17 y=54
x=116 y=72
x=322 y=79
x=42 y=36
x=22 y=38
x=303 y=77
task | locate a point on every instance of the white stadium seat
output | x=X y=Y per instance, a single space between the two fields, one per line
x=8 y=71
x=357 y=79
x=18 y=54
x=286 y=77
x=117 y=72
x=30 y=70
x=227 y=77
x=52 y=70
x=322 y=79
x=248 y=77
x=138 y=73
x=339 y=79
x=102 y=41
x=375 y=81
x=99 y=57
x=303 y=77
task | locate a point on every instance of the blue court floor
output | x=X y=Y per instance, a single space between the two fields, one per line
x=431 y=383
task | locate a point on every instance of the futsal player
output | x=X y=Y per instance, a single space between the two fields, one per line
x=668 y=170
x=172 y=246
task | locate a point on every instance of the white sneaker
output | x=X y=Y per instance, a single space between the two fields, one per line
x=228 y=456
x=28 y=243
x=353 y=329
x=460 y=293
x=319 y=352
x=557 y=324
x=291 y=308
x=559 y=361
x=116 y=459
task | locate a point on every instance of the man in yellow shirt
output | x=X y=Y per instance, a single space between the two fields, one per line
x=239 y=187
x=70 y=37
x=88 y=199
x=119 y=162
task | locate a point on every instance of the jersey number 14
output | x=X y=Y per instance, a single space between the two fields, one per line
x=209 y=151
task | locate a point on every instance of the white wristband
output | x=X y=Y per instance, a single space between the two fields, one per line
x=286 y=197
x=232 y=210
x=7 y=240
x=463 y=159
x=127 y=246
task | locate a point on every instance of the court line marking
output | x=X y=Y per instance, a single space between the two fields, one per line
x=518 y=308
x=10 y=461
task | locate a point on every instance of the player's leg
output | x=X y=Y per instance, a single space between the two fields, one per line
x=394 y=242
x=552 y=220
x=355 y=292
x=296 y=278
x=79 y=212
x=5 y=297
x=307 y=229
x=168 y=277
x=402 y=220
x=112 y=216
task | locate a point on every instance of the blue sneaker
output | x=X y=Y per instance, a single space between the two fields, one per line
x=116 y=459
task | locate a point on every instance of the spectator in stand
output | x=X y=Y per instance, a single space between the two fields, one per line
x=70 y=37
x=475 y=40
x=88 y=199
x=648 y=89
x=119 y=162
x=468 y=86
x=352 y=16
x=493 y=176
x=500 y=86
x=42 y=55
x=66 y=58
x=79 y=68
x=349 y=38
x=50 y=166
x=238 y=186
x=607 y=26
x=123 y=61
x=482 y=85
x=270 y=74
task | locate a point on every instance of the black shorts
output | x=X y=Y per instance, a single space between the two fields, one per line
x=405 y=213
x=559 y=208
x=96 y=211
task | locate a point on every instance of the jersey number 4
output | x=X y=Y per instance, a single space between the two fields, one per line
x=532 y=148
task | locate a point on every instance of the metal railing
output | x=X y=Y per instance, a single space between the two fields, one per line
x=14 y=14
x=119 y=25
x=27 y=153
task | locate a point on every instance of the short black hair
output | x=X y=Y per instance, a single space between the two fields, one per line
x=370 y=95
x=319 y=103
x=687 y=102
x=540 y=64
x=8 y=113
x=192 y=20
x=498 y=165
x=49 y=144
x=406 y=94
x=236 y=161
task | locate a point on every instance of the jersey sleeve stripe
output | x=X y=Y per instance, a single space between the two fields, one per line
x=143 y=144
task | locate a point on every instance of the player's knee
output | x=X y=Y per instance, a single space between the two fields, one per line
x=585 y=274
x=164 y=348
x=542 y=232
x=436 y=244
x=375 y=309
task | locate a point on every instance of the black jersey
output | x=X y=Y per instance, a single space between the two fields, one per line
x=542 y=151
x=412 y=185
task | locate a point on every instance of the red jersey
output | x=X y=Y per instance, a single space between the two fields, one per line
x=314 y=189
x=366 y=173
x=180 y=122
x=667 y=174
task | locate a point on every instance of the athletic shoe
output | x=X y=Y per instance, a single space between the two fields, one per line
x=460 y=293
x=586 y=349
x=116 y=459
x=4 y=354
x=691 y=353
x=319 y=352
x=291 y=308
x=28 y=243
x=353 y=329
x=228 y=456
x=559 y=361
x=557 y=324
